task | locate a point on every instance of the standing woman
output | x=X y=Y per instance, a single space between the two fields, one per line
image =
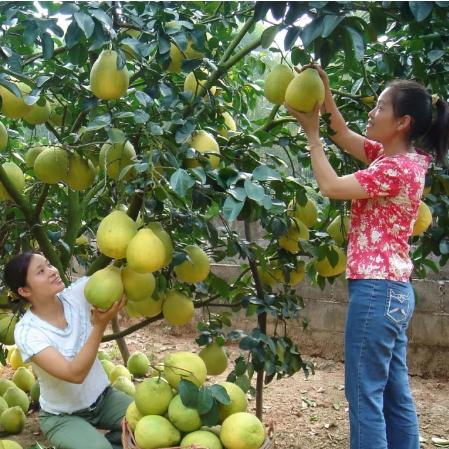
x=385 y=198
x=60 y=338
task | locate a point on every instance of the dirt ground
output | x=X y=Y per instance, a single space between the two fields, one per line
x=304 y=413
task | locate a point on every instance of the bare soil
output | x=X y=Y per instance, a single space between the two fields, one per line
x=306 y=413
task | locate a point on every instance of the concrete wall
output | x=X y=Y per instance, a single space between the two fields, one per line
x=325 y=311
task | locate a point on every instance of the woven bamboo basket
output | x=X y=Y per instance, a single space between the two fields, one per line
x=128 y=441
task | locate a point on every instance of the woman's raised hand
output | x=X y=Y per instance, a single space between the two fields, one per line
x=102 y=317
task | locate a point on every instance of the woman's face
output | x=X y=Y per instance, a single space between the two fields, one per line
x=42 y=278
x=382 y=124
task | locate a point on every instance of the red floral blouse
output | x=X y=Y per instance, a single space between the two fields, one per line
x=381 y=225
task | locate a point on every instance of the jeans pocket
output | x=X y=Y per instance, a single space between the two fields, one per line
x=398 y=306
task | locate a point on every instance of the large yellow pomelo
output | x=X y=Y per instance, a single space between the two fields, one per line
x=201 y=438
x=185 y=419
x=176 y=56
x=13 y=420
x=15 y=396
x=338 y=230
x=15 y=359
x=104 y=287
x=138 y=364
x=145 y=252
x=308 y=213
x=325 y=268
x=115 y=157
x=177 y=308
x=81 y=173
x=132 y=415
x=215 y=359
x=138 y=286
x=155 y=431
x=9 y=444
x=32 y=154
x=114 y=234
x=238 y=403
x=229 y=125
x=7 y=326
x=52 y=165
x=305 y=90
x=423 y=220
x=106 y=81
x=147 y=307
x=242 y=431
x=12 y=106
x=17 y=178
x=23 y=378
x=153 y=396
x=204 y=142
x=193 y=84
x=195 y=268
x=276 y=83
x=3 y=136
x=38 y=114
x=184 y=365
x=290 y=240
x=165 y=239
x=119 y=371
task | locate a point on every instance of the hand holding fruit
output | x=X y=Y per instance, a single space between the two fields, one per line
x=102 y=317
x=310 y=122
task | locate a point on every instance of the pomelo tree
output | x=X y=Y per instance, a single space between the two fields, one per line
x=173 y=128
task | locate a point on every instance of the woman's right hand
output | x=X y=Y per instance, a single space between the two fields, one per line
x=102 y=317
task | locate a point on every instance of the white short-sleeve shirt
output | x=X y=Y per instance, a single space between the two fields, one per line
x=32 y=335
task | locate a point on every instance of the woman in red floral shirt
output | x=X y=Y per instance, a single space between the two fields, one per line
x=385 y=198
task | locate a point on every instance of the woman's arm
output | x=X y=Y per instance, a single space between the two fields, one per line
x=346 y=139
x=76 y=369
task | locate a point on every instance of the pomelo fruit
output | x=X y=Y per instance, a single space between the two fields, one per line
x=229 y=125
x=35 y=392
x=145 y=252
x=423 y=220
x=138 y=286
x=242 y=431
x=326 y=269
x=17 y=178
x=195 y=268
x=107 y=82
x=184 y=418
x=193 y=84
x=119 y=371
x=215 y=358
x=124 y=385
x=290 y=241
x=153 y=396
x=32 y=154
x=14 y=107
x=305 y=90
x=114 y=233
x=308 y=213
x=132 y=415
x=7 y=326
x=184 y=365
x=165 y=238
x=3 y=405
x=176 y=56
x=138 y=364
x=238 y=403
x=114 y=157
x=148 y=307
x=156 y=431
x=24 y=379
x=52 y=165
x=201 y=438
x=5 y=384
x=81 y=174
x=9 y=444
x=15 y=396
x=3 y=136
x=338 y=229
x=276 y=83
x=104 y=287
x=12 y=420
x=177 y=308
x=108 y=366
x=38 y=113
x=204 y=142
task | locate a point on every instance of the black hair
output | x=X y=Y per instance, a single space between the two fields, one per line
x=16 y=270
x=430 y=119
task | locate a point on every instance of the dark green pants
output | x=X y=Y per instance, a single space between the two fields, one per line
x=79 y=431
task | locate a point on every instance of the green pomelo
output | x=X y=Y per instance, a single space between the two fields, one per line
x=215 y=359
x=195 y=268
x=156 y=431
x=115 y=157
x=38 y=114
x=119 y=371
x=201 y=438
x=12 y=106
x=177 y=308
x=204 y=142
x=138 y=364
x=305 y=91
x=9 y=444
x=52 y=165
x=326 y=269
x=242 y=431
x=104 y=287
x=184 y=365
x=81 y=173
x=124 y=385
x=149 y=307
x=165 y=238
x=338 y=230
x=17 y=178
x=32 y=154
x=138 y=286
x=108 y=366
x=290 y=241
x=238 y=403
x=3 y=136
x=15 y=396
x=3 y=405
x=24 y=379
x=35 y=392
x=7 y=326
x=5 y=384
x=153 y=396
x=132 y=415
x=184 y=418
x=308 y=213
x=145 y=252
x=276 y=83
x=229 y=125
x=13 y=420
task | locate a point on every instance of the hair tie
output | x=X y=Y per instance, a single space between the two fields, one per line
x=435 y=98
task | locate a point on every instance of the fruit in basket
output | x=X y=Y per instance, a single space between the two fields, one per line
x=124 y=385
x=138 y=364
x=119 y=370
x=153 y=396
x=184 y=418
x=242 y=431
x=13 y=420
x=132 y=415
x=215 y=359
x=238 y=403
x=154 y=431
x=9 y=444
x=184 y=365
x=202 y=438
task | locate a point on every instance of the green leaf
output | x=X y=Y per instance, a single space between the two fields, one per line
x=330 y=22
x=261 y=10
x=181 y=182
x=189 y=393
x=101 y=16
x=299 y=56
x=232 y=208
x=268 y=36
x=183 y=134
x=434 y=55
x=72 y=35
x=205 y=401
x=264 y=173
x=47 y=45
x=211 y=418
x=238 y=193
x=357 y=43
x=291 y=37
x=311 y=31
x=220 y=394
x=99 y=122
x=85 y=23
x=116 y=135
x=254 y=191
x=420 y=10
x=248 y=343
x=379 y=19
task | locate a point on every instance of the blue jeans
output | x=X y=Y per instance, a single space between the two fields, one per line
x=382 y=414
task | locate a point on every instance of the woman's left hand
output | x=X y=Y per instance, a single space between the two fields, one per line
x=310 y=121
